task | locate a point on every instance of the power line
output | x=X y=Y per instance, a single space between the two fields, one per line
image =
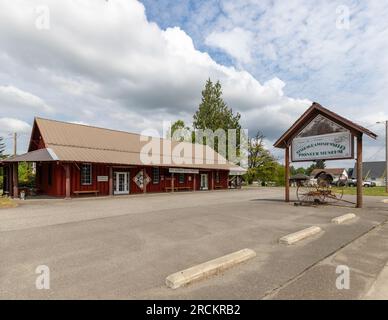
x=375 y=154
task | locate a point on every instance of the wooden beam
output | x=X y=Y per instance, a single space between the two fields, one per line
x=287 y=174
x=15 y=180
x=359 y=171
x=68 y=181
x=194 y=182
x=110 y=181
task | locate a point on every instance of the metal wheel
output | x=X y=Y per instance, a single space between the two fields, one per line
x=305 y=192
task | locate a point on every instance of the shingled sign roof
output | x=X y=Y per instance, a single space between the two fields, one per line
x=309 y=115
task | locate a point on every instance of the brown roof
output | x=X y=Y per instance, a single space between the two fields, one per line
x=312 y=112
x=65 y=141
x=332 y=171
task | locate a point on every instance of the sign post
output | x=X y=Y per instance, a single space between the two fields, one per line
x=359 y=171
x=320 y=134
x=287 y=173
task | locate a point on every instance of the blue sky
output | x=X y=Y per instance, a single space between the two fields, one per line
x=130 y=65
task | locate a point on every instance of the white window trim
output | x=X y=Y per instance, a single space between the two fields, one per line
x=153 y=175
x=91 y=174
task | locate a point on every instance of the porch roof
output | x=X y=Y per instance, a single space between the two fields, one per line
x=40 y=155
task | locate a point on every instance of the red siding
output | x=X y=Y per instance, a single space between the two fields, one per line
x=58 y=183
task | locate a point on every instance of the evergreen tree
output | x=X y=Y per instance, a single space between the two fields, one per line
x=177 y=125
x=213 y=113
x=2 y=148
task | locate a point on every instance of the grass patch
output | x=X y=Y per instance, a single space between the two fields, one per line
x=372 y=191
x=7 y=203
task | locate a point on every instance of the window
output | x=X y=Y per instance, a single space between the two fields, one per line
x=155 y=175
x=217 y=177
x=181 y=178
x=86 y=174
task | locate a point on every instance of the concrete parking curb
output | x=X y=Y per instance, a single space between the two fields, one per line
x=344 y=218
x=300 y=235
x=208 y=268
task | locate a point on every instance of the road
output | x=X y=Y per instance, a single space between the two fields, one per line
x=124 y=247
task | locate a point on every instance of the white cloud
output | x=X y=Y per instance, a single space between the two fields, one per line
x=12 y=97
x=104 y=63
x=10 y=125
x=237 y=42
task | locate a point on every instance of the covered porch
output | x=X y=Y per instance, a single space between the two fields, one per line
x=42 y=159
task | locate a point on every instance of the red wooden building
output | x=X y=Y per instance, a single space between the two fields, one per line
x=73 y=159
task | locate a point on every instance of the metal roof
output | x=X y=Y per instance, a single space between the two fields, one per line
x=43 y=155
x=81 y=143
x=372 y=170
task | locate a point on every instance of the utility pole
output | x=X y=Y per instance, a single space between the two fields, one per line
x=15 y=141
x=386 y=155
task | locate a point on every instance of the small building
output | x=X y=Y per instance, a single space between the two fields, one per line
x=374 y=171
x=73 y=159
x=335 y=173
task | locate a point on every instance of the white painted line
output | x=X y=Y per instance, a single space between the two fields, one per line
x=385 y=200
x=208 y=268
x=344 y=218
x=300 y=235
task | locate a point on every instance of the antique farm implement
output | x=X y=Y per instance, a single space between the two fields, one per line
x=320 y=190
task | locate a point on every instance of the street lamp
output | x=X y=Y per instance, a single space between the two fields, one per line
x=386 y=153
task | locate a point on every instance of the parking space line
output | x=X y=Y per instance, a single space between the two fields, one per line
x=344 y=218
x=300 y=235
x=208 y=268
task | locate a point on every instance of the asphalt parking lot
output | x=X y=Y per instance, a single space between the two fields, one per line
x=124 y=247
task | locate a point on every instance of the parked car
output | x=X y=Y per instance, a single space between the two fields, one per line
x=366 y=184
x=351 y=182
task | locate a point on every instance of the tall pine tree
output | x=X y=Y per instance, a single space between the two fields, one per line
x=2 y=148
x=213 y=113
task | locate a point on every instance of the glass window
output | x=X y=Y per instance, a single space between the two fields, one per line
x=155 y=175
x=181 y=178
x=86 y=174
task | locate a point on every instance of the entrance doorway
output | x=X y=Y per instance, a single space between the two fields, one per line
x=122 y=183
x=204 y=181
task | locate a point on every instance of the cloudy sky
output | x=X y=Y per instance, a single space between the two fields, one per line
x=129 y=65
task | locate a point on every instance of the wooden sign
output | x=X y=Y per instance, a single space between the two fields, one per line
x=323 y=147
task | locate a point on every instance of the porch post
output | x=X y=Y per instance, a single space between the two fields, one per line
x=194 y=181
x=212 y=180
x=287 y=174
x=110 y=181
x=68 y=180
x=359 y=171
x=172 y=182
x=15 y=179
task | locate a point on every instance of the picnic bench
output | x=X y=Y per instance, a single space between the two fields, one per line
x=95 y=192
x=177 y=188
